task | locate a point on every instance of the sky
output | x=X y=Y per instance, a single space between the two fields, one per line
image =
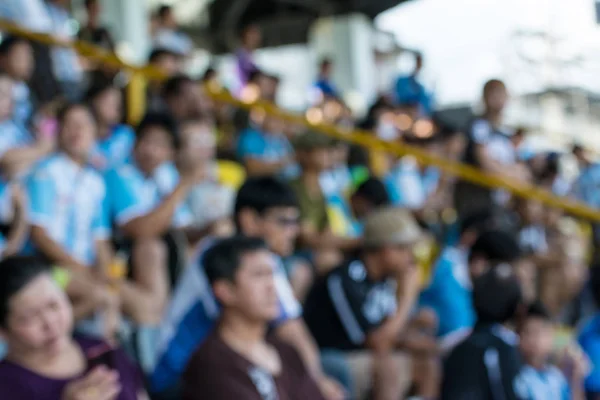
x=466 y=42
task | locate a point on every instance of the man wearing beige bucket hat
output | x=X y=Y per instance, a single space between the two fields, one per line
x=362 y=307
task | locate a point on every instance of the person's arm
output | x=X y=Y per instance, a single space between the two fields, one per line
x=19 y=226
x=21 y=158
x=255 y=166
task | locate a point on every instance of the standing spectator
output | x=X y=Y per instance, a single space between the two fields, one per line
x=363 y=307
x=94 y=33
x=16 y=60
x=408 y=90
x=324 y=85
x=487 y=364
x=65 y=61
x=114 y=141
x=250 y=39
x=44 y=360
x=239 y=360
x=35 y=16
x=168 y=34
x=544 y=380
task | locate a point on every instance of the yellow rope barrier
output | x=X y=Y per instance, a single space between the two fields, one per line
x=359 y=137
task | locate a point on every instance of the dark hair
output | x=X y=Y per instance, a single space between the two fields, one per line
x=63 y=111
x=174 y=85
x=163 y=11
x=97 y=89
x=159 y=120
x=15 y=274
x=255 y=75
x=496 y=295
x=263 y=193
x=222 y=260
x=496 y=246
x=157 y=53
x=477 y=221
x=374 y=191
x=538 y=310
x=9 y=42
x=491 y=85
x=325 y=62
x=208 y=74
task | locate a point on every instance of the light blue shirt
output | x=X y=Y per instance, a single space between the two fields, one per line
x=30 y=14
x=192 y=314
x=269 y=147
x=68 y=202
x=12 y=136
x=65 y=61
x=409 y=187
x=549 y=383
x=131 y=194
x=114 y=150
x=589 y=340
x=22 y=103
x=410 y=91
x=449 y=293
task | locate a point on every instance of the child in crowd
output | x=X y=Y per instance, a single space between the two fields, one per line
x=16 y=60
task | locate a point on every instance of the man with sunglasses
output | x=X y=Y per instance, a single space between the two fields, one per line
x=265 y=208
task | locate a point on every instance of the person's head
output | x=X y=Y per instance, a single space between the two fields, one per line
x=35 y=314
x=157 y=140
x=269 y=87
x=495 y=95
x=497 y=295
x=472 y=225
x=273 y=124
x=536 y=335
x=518 y=137
x=240 y=270
x=267 y=208
x=209 y=75
x=6 y=96
x=313 y=152
x=578 y=152
x=530 y=211
x=491 y=248
x=325 y=67
x=390 y=234
x=166 y=17
x=92 y=7
x=418 y=63
x=165 y=60
x=16 y=58
x=370 y=195
x=198 y=139
x=106 y=101
x=251 y=37
x=184 y=97
x=77 y=131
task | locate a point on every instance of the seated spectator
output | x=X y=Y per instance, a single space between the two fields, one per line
x=370 y=195
x=265 y=208
x=357 y=308
x=114 y=141
x=449 y=292
x=185 y=98
x=544 y=380
x=408 y=90
x=316 y=235
x=238 y=359
x=13 y=219
x=19 y=151
x=265 y=150
x=169 y=36
x=16 y=60
x=44 y=359
x=169 y=63
x=490 y=353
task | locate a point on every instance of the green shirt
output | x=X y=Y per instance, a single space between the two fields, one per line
x=313 y=209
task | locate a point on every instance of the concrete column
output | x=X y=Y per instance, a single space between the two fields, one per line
x=348 y=41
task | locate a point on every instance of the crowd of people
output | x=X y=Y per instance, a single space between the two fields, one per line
x=212 y=253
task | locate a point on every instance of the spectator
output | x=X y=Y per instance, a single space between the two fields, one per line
x=370 y=195
x=35 y=16
x=169 y=36
x=238 y=360
x=13 y=218
x=490 y=353
x=43 y=357
x=18 y=149
x=185 y=99
x=250 y=39
x=490 y=149
x=357 y=307
x=266 y=150
x=264 y=208
x=169 y=63
x=408 y=90
x=65 y=62
x=544 y=380
x=16 y=60
x=324 y=85
x=114 y=141
x=93 y=32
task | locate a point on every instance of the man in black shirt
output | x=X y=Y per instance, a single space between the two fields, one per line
x=365 y=304
x=487 y=365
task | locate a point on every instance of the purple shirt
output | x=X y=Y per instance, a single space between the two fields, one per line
x=245 y=66
x=24 y=384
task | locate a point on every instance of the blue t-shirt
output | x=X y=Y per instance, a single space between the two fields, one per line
x=192 y=314
x=449 y=293
x=409 y=187
x=114 y=150
x=589 y=339
x=268 y=147
x=546 y=384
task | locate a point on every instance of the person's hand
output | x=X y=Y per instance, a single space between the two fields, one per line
x=100 y=384
x=17 y=195
x=331 y=389
x=408 y=283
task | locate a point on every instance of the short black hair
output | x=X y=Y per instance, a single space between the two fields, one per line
x=157 y=53
x=496 y=246
x=325 y=62
x=373 y=190
x=15 y=274
x=174 y=85
x=222 y=260
x=477 y=221
x=497 y=295
x=261 y=194
x=97 y=89
x=65 y=109
x=538 y=310
x=159 y=120
x=163 y=11
x=10 y=42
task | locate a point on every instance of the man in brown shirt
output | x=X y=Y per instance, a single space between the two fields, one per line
x=239 y=361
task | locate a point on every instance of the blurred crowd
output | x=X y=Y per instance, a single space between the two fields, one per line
x=210 y=252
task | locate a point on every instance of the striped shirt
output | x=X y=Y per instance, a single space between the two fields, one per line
x=546 y=384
